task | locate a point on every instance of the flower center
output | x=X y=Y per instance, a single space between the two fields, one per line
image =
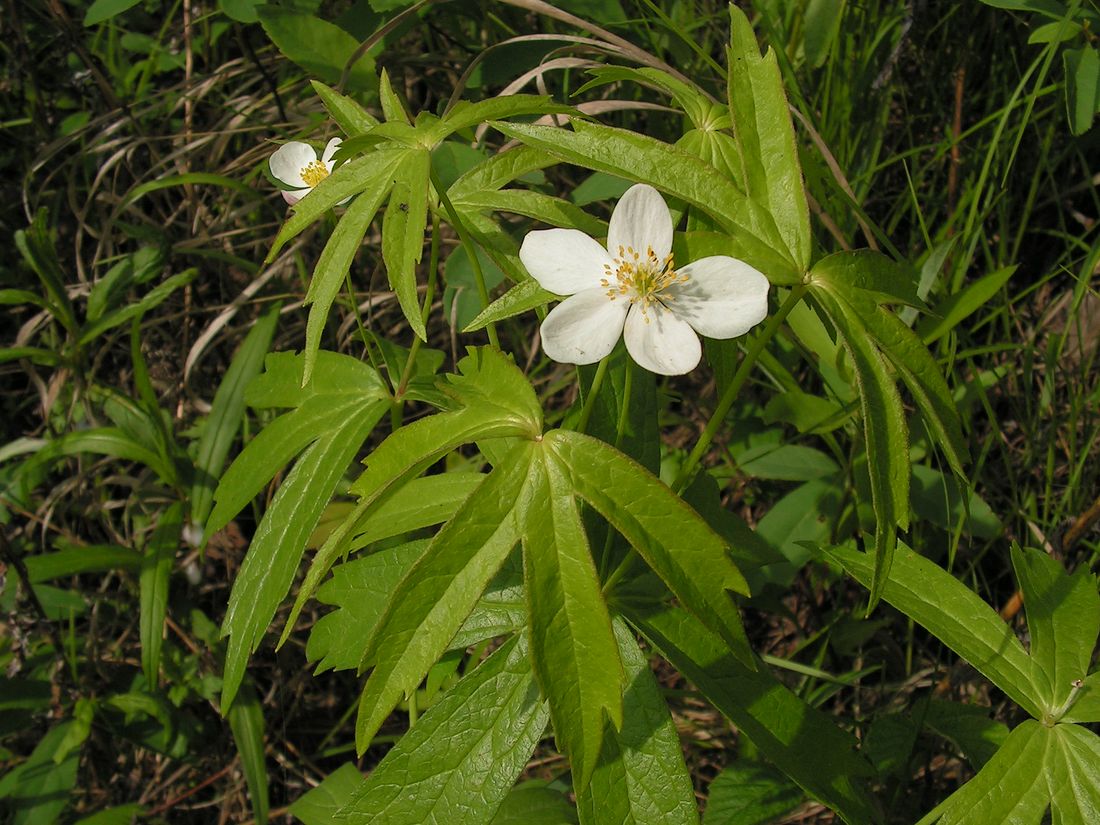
x=314 y=172
x=641 y=279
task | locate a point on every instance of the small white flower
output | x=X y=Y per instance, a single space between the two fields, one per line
x=633 y=288
x=296 y=164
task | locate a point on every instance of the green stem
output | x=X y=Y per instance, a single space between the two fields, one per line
x=730 y=394
x=471 y=253
x=593 y=391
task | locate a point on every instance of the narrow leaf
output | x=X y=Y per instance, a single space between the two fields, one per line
x=156 y=567
x=246 y=721
x=349 y=115
x=523 y=297
x=403 y=233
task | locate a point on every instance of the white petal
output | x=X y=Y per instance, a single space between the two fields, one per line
x=331 y=149
x=664 y=345
x=564 y=261
x=295 y=196
x=584 y=328
x=641 y=219
x=289 y=160
x=723 y=297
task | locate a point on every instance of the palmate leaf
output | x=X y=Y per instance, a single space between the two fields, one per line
x=459 y=761
x=335 y=412
x=764 y=132
x=640 y=776
x=575 y=654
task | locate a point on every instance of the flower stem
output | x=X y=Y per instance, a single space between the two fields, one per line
x=734 y=387
x=471 y=253
x=593 y=391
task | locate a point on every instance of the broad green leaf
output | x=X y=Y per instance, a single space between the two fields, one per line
x=640 y=776
x=754 y=240
x=102 y=10
x=955 y=615
x=763 y=128
x=403 y=233
x=319 y=47
x=820 y=26
x=804 y=515
x=1011 y=788
x=318 y=805
x=748 y=548
x=72 y=561
x=750 y=793
x=335 y=262
x=420 y=503
x=499 y=170
x=787 y=462
x=465 y=114
x=361 y=590
x=1074 y=776
x=346 y=180
x=118 y=815
x=462 y=757
x=1082 y=87
x=940 y=499
x=1063 y=620
x=226 y=413
x=866 y=271
x=885 y=434
x=523 y=297
x=246 y=721
x=437 y=594
x=951 y=311
x=243 y=11
x=970 y=727
x=110 y=290
x=533 y=803
x=808 y=413
x=38 y=790
x=674 y=541
x=802 y=742
x=572 y=645
x=156 y=567
x=280 y=539
x=349 y=115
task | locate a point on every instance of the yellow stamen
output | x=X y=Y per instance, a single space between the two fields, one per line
x=642 y=280
x=314 y=172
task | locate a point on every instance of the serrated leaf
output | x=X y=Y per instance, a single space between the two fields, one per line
x=335 y=262
x=523 y=297
x=955 y=615
x=763 y=128
x=803 y=742
x=403 y=233
x=640 y=775
x=866 y=271
x=499 y=170
x=672 y=539
x=465 y=114
x=420 y=503
x=352 y=118
x=886 y=435
x=226 y=413
x=541 y=207
x=437 y=594
x=627 y=154
x=1063 y=620
x=156 y=567
x=461 y=758
x=573 y=649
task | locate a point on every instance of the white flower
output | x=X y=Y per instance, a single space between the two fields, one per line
x=633 y=288
x=296 y=164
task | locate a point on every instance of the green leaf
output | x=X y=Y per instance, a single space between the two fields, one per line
x=119 y=815
x=533 y=803
x=885 y=434
x=156 y=567
x=465 y=114
x=346 y=180
x=750 y=793
x=956 y=308
x=1012 y=787
x=572 y=645
x=543 y=208
x=461 y=758
x=403 y=233
x=820 y=26
x=955 y=615
x=808 y=413
x=640 y=775
x=1082 y=87
x=246 y=721
x=804 y=515
x=802 y=742
x=101 y=10
x=674 y=541
x=765 y=134
x=420 y=503
x=318 y=46
x=627 y=154
x=1074 y=777
x=866 y=271
x=969 y=726
x=433 y=599
x=75 y=560
x=318 y=805
x=335 y=262
x=1063 y=619
x=38 y=790
x=787 y=462
x=153 y=298
x=1086 y=707
x=37 y=249
x=352 y=118
x=227 y=412
x=523 y=297
x=696 y=105
x=361 y=590
x=499 y=170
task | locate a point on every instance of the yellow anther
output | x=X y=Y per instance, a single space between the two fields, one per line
x=314 y=172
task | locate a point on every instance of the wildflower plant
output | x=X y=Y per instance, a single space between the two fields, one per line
x=560 y=549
